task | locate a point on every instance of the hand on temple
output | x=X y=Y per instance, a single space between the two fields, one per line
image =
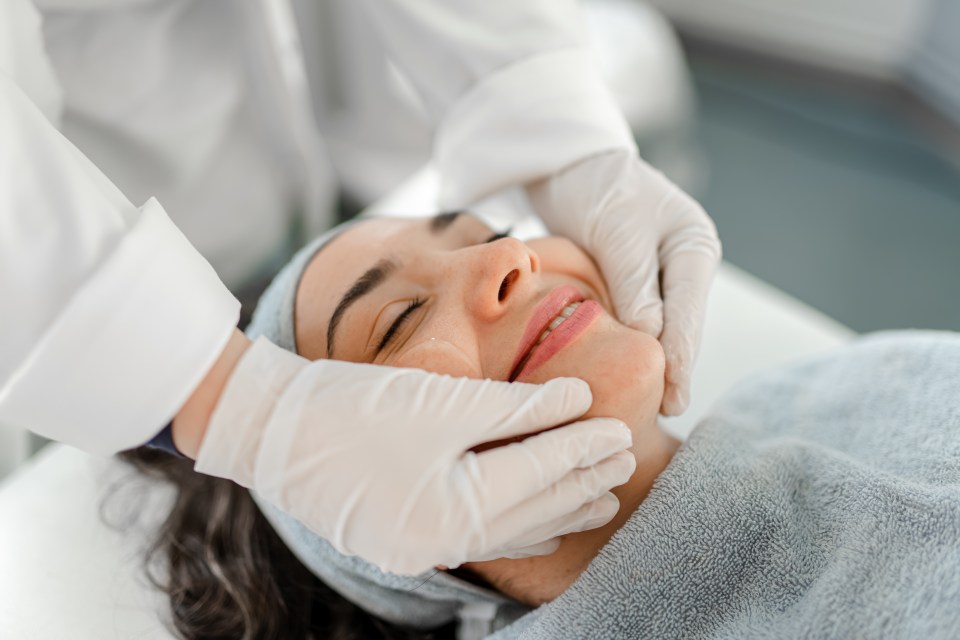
x=655 y=245
x=378 y=460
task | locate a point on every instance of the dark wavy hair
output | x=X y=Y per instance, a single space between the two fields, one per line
x=229 y=575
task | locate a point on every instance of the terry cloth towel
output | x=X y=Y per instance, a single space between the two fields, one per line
x=817 y=501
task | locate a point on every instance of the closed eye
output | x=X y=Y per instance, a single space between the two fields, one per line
x=415 y=304
x=500 y=235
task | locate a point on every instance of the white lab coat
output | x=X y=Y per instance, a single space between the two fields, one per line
x=110 y=315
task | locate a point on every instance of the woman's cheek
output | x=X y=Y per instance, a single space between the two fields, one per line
x=438 y=355
x=634 y=385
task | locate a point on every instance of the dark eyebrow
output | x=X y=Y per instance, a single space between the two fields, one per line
x=441 y=221
x=374 y=277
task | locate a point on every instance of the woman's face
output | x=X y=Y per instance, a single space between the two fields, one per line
x=448 y=295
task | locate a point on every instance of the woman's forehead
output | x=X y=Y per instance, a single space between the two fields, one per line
x=385 y=233
x=372 y=231
x=367 y=241
x=357 y=248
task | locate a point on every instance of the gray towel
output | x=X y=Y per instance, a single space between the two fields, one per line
x=818 y=501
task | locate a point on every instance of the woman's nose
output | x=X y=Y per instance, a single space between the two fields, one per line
x=497 y=274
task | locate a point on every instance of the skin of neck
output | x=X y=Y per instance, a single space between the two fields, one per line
x=536 y=580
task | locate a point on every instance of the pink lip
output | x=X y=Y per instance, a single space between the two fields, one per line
x=546 y=311
x=552 y=304
x=566 y=333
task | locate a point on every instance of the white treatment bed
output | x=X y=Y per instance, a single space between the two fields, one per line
x=65 y=574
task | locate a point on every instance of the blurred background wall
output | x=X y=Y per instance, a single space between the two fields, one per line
x=829 y=130
x=909 y=41
x=866 y=37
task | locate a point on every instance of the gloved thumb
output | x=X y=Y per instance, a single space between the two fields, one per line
x=631 y=268
x=529 y=408
x=686 y=284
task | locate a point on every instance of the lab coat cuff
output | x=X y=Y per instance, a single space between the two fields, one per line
x=129 y=348
x=525 y=122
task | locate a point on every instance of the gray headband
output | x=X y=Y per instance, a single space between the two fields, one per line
x=425 y=601
x=274 y=316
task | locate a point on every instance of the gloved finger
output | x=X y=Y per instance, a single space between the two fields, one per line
x=589 y=516
x=515 y=472
x=686 y=285
x=544 y=548
x=640 y=307
x=538 y=541
x=646 y=317
x=561 y=506
x=634 y=279
x=526 y=408
x=676 y=398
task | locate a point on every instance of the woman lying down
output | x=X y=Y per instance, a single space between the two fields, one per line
x=817 y=501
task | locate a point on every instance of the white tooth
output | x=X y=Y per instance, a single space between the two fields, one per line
x=566 y=313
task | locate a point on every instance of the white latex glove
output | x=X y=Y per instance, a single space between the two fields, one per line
x=656 y=247
x=376 y=459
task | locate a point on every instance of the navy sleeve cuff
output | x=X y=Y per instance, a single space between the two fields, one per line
x=164 y=441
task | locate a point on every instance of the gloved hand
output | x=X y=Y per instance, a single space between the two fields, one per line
x=656 y=247
x=376 y=459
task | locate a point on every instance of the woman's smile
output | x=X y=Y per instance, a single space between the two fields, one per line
x=572 y=322
x=546 y=313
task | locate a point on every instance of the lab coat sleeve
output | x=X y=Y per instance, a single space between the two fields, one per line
x=110 y=317
x=24 y=59
x=511 y=88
